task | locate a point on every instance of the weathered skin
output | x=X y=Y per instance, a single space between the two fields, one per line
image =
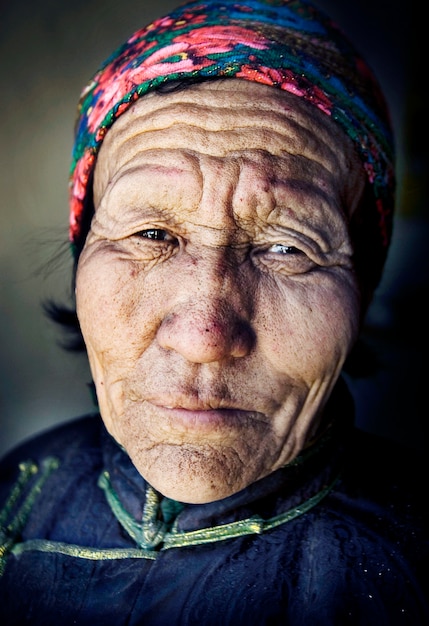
x=216 y=291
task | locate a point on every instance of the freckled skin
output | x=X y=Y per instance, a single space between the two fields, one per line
x=216 y=291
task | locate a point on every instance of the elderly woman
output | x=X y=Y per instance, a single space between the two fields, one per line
x=231 y=201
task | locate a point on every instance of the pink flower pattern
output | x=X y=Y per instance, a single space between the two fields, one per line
x=288 y=81
x=193 y=48
x=228 y=39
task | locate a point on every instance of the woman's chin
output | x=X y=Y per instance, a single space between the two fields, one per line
x=196 y=475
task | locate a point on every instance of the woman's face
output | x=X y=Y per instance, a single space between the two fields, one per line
x=216 y=291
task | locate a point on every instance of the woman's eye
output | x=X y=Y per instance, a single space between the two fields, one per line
x=285 y=259
x=152 y=244
x=157 y=234
x=280 y=248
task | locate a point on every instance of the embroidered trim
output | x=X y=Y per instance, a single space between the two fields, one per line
x=173 y=539
x=82 y=552
x=253 y=525
x=180 y=539
x=149 y=534
x=11 y=524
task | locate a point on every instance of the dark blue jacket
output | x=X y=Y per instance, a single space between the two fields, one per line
x=337 y=538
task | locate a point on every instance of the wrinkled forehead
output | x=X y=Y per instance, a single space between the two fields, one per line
x=227 y=121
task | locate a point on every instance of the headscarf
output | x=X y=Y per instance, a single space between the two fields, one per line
x=286 y=44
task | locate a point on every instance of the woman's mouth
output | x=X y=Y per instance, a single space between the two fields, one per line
x=197 y=419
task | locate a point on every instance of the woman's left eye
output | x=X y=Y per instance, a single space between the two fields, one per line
x=284 y=258
x=280 y=248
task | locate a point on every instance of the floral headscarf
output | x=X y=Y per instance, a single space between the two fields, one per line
x=286 y=44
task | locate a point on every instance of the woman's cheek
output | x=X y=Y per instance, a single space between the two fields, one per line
x=312 y=329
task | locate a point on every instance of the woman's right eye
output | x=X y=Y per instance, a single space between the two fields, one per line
x=157 y=234
x=152 y=244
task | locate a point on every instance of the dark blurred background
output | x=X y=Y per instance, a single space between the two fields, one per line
x=48 y=51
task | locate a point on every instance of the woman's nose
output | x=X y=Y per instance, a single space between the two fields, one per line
x=210 y=319
x=204 y=336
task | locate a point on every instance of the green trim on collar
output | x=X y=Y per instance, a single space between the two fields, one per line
x=82 y=552
x=17 y=508
x=152 y=533
x=170 y=539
